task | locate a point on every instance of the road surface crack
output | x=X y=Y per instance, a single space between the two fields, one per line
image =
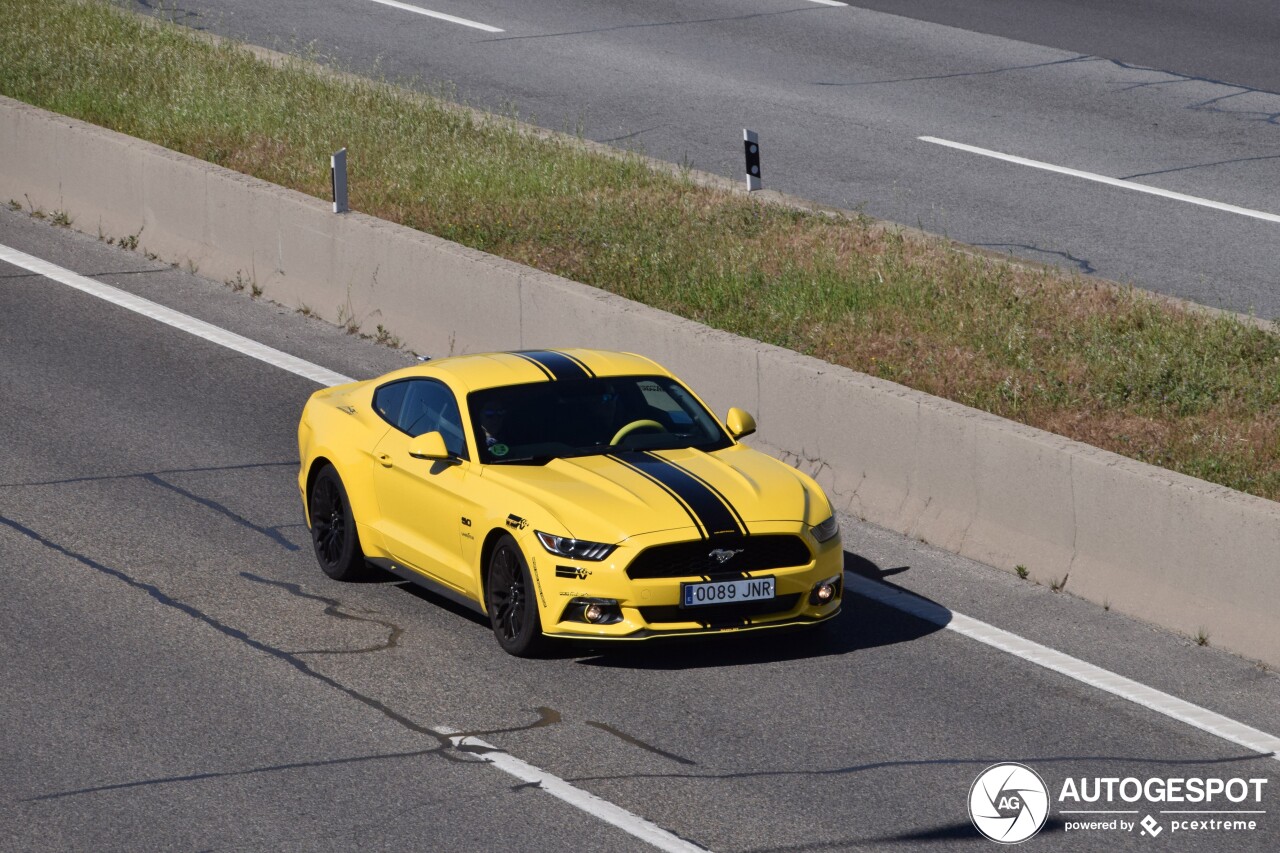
x=333 y=609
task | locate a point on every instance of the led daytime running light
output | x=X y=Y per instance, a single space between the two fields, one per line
x=577 y=549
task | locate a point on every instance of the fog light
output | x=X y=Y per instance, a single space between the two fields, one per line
x=824 y=592
x=593 y=611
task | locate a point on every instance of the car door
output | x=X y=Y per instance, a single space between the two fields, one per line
x=422 y=502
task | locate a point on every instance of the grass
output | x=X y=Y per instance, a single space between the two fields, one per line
x=1106 y=365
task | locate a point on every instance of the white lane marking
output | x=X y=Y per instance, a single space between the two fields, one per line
x=178 y=320
x=441 y=15
x=1103 y=179
x=1094 y=676
x=829 y=2
x=604 y=810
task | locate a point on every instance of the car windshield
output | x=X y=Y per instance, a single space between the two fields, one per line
x=541 y=421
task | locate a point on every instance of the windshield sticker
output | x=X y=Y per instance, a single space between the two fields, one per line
x=499 y=449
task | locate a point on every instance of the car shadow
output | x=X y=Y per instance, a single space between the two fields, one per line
x=863 y=624
x=437 y=600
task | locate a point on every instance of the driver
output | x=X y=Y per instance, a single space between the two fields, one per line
x=595 y=414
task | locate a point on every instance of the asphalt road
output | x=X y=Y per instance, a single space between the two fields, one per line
x=841 y=97
x=1231 y=42
x=176 y=673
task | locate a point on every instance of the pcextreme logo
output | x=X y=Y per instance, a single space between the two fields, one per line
x=1009 y=803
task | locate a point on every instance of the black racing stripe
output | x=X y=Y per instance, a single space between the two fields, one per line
x=693 y=516
x=556 y=364
x=713 y=511
x=536 y=364
x=591 y=373
x=742 y=522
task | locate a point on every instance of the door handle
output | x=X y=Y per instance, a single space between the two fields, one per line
x=385 y=460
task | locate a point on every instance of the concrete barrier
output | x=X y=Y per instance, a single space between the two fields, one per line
x=1157 y=545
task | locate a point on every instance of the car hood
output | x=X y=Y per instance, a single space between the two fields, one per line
x=609 y=498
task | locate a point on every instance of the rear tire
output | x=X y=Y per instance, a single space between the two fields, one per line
x=333 y=529
x=513 y=611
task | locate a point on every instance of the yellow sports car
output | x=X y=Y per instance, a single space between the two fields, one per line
x=572 y=493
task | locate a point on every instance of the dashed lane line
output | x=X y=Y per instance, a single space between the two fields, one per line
x=1104 y=179
x=394 y=4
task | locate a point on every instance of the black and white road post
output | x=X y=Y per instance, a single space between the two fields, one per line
x=338 y=180
x=751 y=143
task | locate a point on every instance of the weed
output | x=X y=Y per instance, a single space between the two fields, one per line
x=152 y=256
x=15 y=205
x=1022 y=571
x=386 y=338
x=347 y=319
x=255 y=291
x=192 y=266
x=130 y=243
x=305 y=310
x=238 y=283
x=1059 y=584
x=61 y=218
x=1202 y=637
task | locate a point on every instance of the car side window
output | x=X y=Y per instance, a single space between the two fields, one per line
x=417 y=406
x=389 y=400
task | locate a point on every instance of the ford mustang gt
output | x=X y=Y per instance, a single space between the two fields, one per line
x=572 y=493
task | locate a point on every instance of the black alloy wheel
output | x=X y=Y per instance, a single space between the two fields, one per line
x=333 y=528
x=513 y=612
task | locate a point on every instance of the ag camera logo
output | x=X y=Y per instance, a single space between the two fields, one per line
x=1008 y=803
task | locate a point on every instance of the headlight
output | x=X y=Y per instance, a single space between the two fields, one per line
x=577 y=549
x=826 y=530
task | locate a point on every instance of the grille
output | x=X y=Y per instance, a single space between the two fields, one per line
x=692 y=559
x=720 y=614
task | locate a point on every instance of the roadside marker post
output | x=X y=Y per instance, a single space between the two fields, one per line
x=751 y=144
x=338 y=180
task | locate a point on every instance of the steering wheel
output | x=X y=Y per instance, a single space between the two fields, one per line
x=635 y=425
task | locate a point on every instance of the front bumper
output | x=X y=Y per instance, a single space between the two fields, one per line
x=641 y=608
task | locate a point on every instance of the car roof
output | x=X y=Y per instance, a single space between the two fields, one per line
x=478 y=371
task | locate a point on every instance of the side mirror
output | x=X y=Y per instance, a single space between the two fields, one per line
x=430 y=445
x=740 y=423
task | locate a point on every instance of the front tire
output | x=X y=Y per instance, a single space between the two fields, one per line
x=513 y=612
x=333 y=528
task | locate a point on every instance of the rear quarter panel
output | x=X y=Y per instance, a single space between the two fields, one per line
x=338 y=425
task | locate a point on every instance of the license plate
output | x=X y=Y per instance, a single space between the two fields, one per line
x=725 y=592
